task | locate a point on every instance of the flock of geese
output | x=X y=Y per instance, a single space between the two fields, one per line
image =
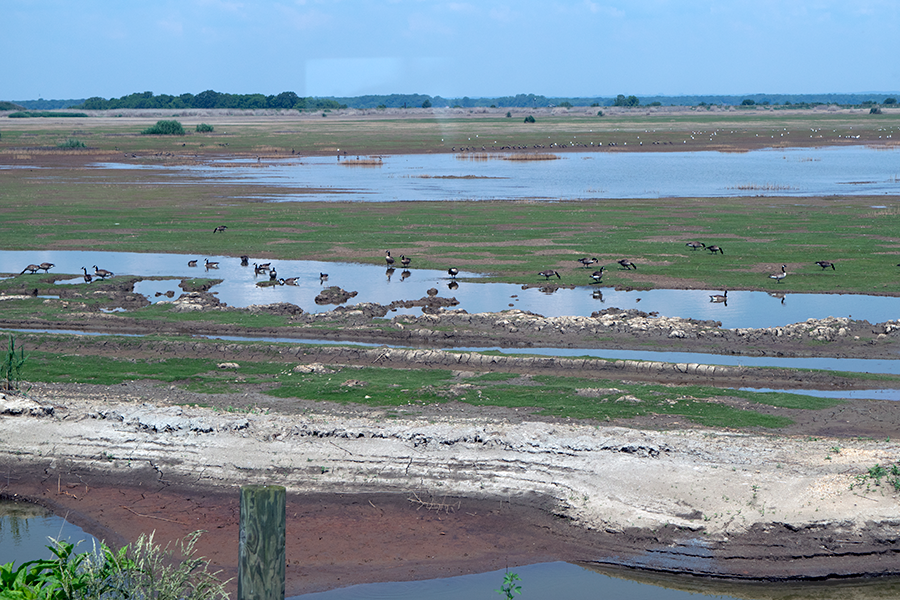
x=624 y=263
x=405 y=261
x=46 y=266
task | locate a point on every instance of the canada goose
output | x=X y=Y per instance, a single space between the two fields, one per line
x=273 y=275
x=825 y=264
x=290 y=281
x=102 y=273
x=262 y=266
x=597 y=275
x=323 y=276
x=388 y=258
x=627 y=264
x=192 y=263
x=695 y=245
x=33 y=268
x=405 y=260
x=779 y=276
x=245 y=260
x=46 y=266
x=453 y=271
x=586 y=262
x=715 y=249
x=87 y=276
x=220 y=229
x=211 y=264
x=723 y=297
x=548 y=274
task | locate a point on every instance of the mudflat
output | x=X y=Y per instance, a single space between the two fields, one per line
x=457 y=489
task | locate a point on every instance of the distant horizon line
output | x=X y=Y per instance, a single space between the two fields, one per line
x=490 y=97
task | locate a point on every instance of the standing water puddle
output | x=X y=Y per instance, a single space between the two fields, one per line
x=26 y=529
x=846 y=170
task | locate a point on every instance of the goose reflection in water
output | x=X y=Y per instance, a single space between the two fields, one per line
x=781 y=295
x=389 y=272
x=453 y=285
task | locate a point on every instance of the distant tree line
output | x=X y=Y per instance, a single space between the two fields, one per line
x=290 y=100
x=211 y=99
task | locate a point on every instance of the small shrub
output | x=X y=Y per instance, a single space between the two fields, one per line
x=426 y=104
x=529 y=119
x=165 y=128
x=875 y=110
x=508 y=114
x=890 y=101
x=71 y=143
x=204 y=128
x=599 y=113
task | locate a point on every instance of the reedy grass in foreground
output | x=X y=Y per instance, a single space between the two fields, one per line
x=140 y=570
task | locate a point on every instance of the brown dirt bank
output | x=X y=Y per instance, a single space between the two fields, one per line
x=374 y=499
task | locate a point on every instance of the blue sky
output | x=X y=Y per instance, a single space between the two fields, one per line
x=109 y=48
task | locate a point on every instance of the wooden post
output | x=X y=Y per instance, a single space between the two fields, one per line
x=261 y=553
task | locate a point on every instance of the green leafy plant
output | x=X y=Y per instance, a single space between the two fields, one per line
x=11 y=366
x=204 y=128
x=141 y=570
x=165 y=128
x=509 y=588
x=71 y=143
x=529 y=119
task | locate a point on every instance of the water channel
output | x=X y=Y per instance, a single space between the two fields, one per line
x=376 y=284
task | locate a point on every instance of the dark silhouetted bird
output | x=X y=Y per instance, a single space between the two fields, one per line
x=825 y=264
x=549 y=273
x=627 y=264
x=695 y=245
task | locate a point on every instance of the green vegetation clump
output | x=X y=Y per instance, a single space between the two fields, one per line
x=875 y=110
x=204 y=128
x=11 y=366
x=165 y=128
x=4 y=105
x=71 y=143
x=530 y=119
x=875 y=474
x=139 y=570
x=629 y=102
